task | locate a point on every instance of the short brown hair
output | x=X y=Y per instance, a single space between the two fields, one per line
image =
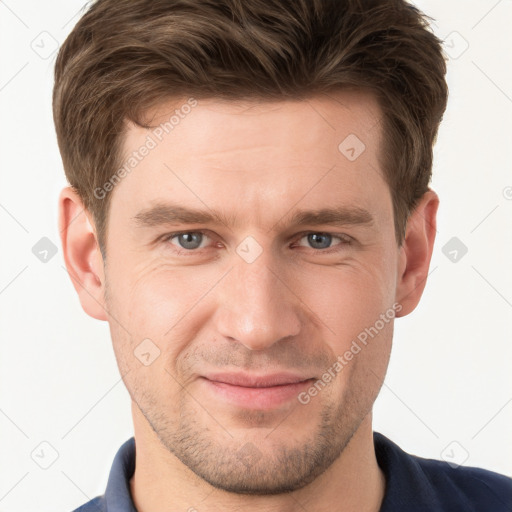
x=126 y=56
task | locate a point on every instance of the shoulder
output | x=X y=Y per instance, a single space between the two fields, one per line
x=117 y=494
x=95 y=505
x=475 y=488
x=428 y=484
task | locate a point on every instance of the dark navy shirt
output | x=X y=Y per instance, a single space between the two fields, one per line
x=413 y=484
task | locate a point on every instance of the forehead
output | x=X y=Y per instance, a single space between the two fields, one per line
x=222 y=125
x=257 y=158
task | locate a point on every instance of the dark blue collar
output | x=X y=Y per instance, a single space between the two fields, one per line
x=412 y=484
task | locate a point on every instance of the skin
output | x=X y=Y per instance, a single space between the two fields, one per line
x=294 y=308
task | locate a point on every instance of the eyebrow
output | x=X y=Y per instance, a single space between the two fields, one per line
x=161 y=214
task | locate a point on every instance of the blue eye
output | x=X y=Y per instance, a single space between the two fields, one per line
x=319 y=240
x=190 y=240
x=323 y=241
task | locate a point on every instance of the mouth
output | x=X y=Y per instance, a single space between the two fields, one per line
x=256 y=391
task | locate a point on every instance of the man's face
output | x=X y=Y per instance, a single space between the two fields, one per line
x=259 y=293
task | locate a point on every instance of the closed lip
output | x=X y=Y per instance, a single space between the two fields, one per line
x=257 y=381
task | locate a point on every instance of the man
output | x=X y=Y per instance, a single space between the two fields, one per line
x=249 y=209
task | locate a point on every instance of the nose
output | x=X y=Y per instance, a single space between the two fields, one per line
x=256 y=306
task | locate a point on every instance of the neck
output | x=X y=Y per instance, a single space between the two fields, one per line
x=354 y=482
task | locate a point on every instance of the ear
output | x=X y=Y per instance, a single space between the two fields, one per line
x=416 y=252
x=82 y=255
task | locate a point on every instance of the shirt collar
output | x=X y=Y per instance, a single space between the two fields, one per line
x=118 y=497
x=405 y=482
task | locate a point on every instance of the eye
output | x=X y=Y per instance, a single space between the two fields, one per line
x=193 y=241
x=188 y=240
x=323 y=241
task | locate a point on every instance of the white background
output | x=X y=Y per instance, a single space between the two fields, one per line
x=449 y=379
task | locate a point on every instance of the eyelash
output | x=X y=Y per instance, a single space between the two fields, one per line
x=345 y=240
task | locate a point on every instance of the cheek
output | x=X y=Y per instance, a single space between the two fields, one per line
x=164 y=305
x=347 y=299
x=155 y=299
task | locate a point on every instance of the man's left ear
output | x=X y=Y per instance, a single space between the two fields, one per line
x=416 y=252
